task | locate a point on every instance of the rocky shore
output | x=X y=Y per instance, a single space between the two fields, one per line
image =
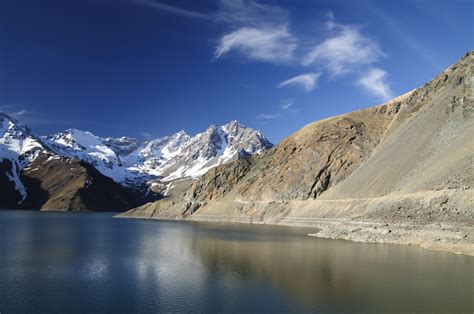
x=437 y=236
x=440 y=237
x=430 y=220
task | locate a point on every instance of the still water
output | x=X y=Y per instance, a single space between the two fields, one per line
x=91 y=262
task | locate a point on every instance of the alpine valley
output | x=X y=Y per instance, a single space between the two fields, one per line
x=76 y=170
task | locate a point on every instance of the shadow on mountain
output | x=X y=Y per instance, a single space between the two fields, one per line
x=10 y=196
x=37 y=196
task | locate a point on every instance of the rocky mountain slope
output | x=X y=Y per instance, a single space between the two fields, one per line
x=400 y=172
x=76 y=170
x=69 y=184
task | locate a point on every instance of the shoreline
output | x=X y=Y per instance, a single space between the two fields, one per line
x=436 y=237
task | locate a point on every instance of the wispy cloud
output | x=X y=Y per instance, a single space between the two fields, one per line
x=285 y=108
x=261 y=32
x=287 y=104
x=269 y=116
x=159 y=6
x=348 y=51
x=264 y=44
x=307 y=81
x=40 y=118
x=345 y=51
x=374 y=81
x=256 y=31
x=24 y=116
x=21 y=112
x=330 y=22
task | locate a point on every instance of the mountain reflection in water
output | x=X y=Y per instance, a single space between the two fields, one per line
x=68 y=262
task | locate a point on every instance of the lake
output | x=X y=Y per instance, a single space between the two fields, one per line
x=54 y=262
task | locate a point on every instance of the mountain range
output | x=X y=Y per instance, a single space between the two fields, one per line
x=59 y=171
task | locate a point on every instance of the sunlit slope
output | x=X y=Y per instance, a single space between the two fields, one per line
x=429 y=145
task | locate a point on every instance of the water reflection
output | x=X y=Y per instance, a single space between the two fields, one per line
x=340 y=274
x=53 y=262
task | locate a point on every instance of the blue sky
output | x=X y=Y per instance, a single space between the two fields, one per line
x=148 y=68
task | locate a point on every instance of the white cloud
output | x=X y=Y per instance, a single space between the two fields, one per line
x=25 y=116
x=20 y=112
x=286 y=107
x=374 y=81
x=256 y=31
x=330 y=23
x=15 y=111
x=261 y=32
x=349 y=51
x=171 y=9
x=345 y=51
x=263 y=44
x=269 y=116
x=307 y=81
x=287 y=104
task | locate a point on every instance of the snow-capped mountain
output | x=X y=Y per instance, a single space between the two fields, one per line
x=20 y=147
x=215 y=146
x=18 y=141
x=180 y=155
x=86 y=146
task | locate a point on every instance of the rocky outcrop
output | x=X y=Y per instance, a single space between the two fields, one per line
x=366 y=165
x=219 y=181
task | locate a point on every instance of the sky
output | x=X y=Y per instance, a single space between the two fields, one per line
x=146 y=68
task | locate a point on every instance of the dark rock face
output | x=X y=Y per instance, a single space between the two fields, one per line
x=218 y=181
x=123 y=146
x=10 y=196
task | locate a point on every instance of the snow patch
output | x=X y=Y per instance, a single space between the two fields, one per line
x=15 y=178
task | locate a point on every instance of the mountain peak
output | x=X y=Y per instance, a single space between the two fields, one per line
x=234 y=122
x=181 y=133
x=77 y=132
